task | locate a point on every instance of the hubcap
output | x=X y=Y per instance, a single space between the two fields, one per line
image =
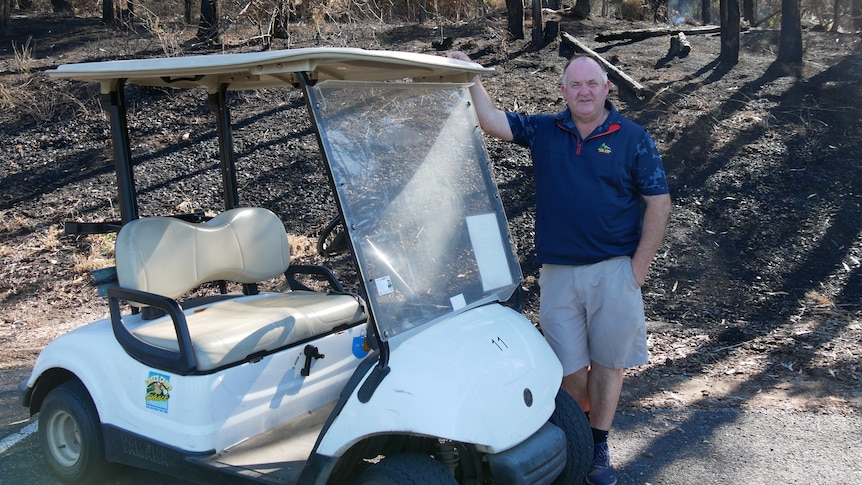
x=64 y=438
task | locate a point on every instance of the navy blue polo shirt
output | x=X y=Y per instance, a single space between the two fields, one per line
x=588 y=191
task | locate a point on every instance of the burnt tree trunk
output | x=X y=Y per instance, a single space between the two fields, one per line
x=552 y=27
x=581 y=9
x=108 y=12
x=515 y=16
x=836 y=14
x=538 y=39
x=705 y=13
x=61 y=6
x=748 y=11
x=729 y=31
x=208 y=25
x=659 y=11
x=790 y=40
x=5 y=16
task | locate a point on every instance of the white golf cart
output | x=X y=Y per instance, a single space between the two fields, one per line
x=425 y=374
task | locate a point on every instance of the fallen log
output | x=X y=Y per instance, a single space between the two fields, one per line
x=613 y=71
x=656 y=32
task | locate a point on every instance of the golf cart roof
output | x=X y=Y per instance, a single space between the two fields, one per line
x=254 y=70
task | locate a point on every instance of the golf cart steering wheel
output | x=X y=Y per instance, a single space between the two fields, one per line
x=333 y=238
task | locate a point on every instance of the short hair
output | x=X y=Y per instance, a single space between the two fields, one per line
x=582 y=56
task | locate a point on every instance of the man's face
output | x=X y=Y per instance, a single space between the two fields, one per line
x=585 y=89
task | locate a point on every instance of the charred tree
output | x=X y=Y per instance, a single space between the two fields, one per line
x=836 y=14
x=538 y=39
x=581 y=9
x=552 y=26
x=208 y=25
x=748 y=12
x=790 y=39
x=705 y=13
x=5 y=15
x=515 y=17
x=729 y=31
x=61 y=6
x=659 y=10
x=108 y=17
x=282 y=14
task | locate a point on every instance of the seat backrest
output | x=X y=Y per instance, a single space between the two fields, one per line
x=169 y=257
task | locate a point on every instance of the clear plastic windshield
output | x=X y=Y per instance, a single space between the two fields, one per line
x=412 y=176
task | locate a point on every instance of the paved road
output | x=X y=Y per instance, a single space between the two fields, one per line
x=668 y=446
x=729 y=446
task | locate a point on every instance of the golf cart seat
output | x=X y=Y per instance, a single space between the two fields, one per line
x=159 y=259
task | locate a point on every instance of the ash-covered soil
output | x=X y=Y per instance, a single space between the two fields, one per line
x=755 y=298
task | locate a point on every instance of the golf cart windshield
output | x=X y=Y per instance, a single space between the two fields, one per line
x=413 y=180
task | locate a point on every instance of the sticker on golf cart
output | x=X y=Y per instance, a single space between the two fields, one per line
x=158 y=392
x=490 y=254
x=360 y=348
x=458 y=301
x=384 y=285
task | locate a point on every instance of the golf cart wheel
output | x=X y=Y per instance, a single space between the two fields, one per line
x=569 y=417
x=407 y=468
x=70 y=435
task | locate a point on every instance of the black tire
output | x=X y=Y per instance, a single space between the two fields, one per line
x=70 y=435
x=569 y=417
x=407 y=469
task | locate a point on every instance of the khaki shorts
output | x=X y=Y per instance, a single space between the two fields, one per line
x=593 y=313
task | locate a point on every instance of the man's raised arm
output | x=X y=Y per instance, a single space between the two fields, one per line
x=492 y=120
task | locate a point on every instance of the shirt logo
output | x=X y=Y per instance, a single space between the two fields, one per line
x=604 y=149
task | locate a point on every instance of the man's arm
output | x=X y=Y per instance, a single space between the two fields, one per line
x=492 y=120
x=656 y=215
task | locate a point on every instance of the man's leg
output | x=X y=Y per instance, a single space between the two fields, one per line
x=604 y=386
x=576 y=385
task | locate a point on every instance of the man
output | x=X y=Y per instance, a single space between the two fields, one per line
x=602 y=206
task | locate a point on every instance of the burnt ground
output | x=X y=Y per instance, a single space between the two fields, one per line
x=755 y=298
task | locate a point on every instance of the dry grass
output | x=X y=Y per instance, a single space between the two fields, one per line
x=26 y=94
x=23 y=56
x=100 y=253
x=50 y=238
x=170 y=40
x=302 y=247
x=12 y=223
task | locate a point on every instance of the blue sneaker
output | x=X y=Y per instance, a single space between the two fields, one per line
x=601 y=472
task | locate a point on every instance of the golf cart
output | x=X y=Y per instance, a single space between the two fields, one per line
x=425 y=373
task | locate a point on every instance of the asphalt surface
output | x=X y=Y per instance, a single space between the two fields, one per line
x=666 y=446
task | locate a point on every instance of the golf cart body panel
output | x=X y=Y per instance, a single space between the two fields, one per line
x=502 y=361
x=302 y=386
x=240 y=401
